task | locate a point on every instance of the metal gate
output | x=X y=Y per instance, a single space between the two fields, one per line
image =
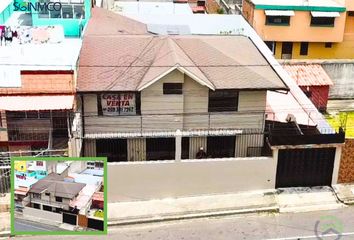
x=160 y=148
x=69 y=218
x=114 y=149
x=305 y=167
x=221 y=146
x=95 y=224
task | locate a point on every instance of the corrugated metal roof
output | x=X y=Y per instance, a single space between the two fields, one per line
x=308 y=74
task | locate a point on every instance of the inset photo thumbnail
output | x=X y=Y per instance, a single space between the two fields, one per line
x=58 y=195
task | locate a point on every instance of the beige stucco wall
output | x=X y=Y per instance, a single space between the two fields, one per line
x=195 y=96
x=299 y=29
x=90 y=104
x=193 y=103
x=153 y=101
x=169 y=179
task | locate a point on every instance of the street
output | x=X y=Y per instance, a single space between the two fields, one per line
x=269 y=226
x=25 y=225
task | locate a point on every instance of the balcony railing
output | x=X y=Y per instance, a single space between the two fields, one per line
x=20 y=134
x=172 y=122
x=50 y=203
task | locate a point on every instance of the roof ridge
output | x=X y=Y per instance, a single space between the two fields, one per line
x=147 y=68
x=113 y=83
x=175 y=57
x=205 y=75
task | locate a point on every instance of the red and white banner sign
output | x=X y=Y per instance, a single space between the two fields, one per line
x=118 y=104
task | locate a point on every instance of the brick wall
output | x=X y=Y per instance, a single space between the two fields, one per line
x=43 y=82
x=346 y=170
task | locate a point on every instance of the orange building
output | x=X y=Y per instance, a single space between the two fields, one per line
x=304 y=29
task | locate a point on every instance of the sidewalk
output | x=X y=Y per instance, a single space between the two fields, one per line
x=305 y=199
x=282 y=200
x=345 y=193
x=190 y=207
x=275 y=201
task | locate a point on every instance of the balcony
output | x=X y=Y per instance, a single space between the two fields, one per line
x=28 y=134
x=172 y=122
x=50 y=203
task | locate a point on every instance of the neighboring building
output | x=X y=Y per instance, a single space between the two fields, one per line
x=6 y=10
x=313 y=81
x=297 y=29
x=134 y=7
x=20 y=166
x=20 y=195
x=98 y=200
x=54 y=194
x=37 y=90
x=205 y=86
x=29 y=172
x=72 y=15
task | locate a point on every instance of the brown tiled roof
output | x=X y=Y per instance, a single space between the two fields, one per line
x=130 y=62
x=54 y=184
x=308 y=74
x=104 y=22
x=39 y=82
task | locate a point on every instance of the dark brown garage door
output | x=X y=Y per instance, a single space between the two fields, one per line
x=69 y=218
x=95 y=224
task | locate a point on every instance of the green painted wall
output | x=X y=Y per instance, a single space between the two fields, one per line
x=6 y=13
x=71 y=26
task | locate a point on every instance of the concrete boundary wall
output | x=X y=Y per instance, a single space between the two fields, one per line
x=136 y=181
x=342 y=75
x=45 y=215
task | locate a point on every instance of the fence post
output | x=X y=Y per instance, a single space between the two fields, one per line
x=178 y=152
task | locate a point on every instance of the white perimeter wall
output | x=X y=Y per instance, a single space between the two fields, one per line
x=169 y=179
x=37 y=213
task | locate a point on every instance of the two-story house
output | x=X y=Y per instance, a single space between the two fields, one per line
x=304 y=29
x=54 y=194
x=136 y=90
